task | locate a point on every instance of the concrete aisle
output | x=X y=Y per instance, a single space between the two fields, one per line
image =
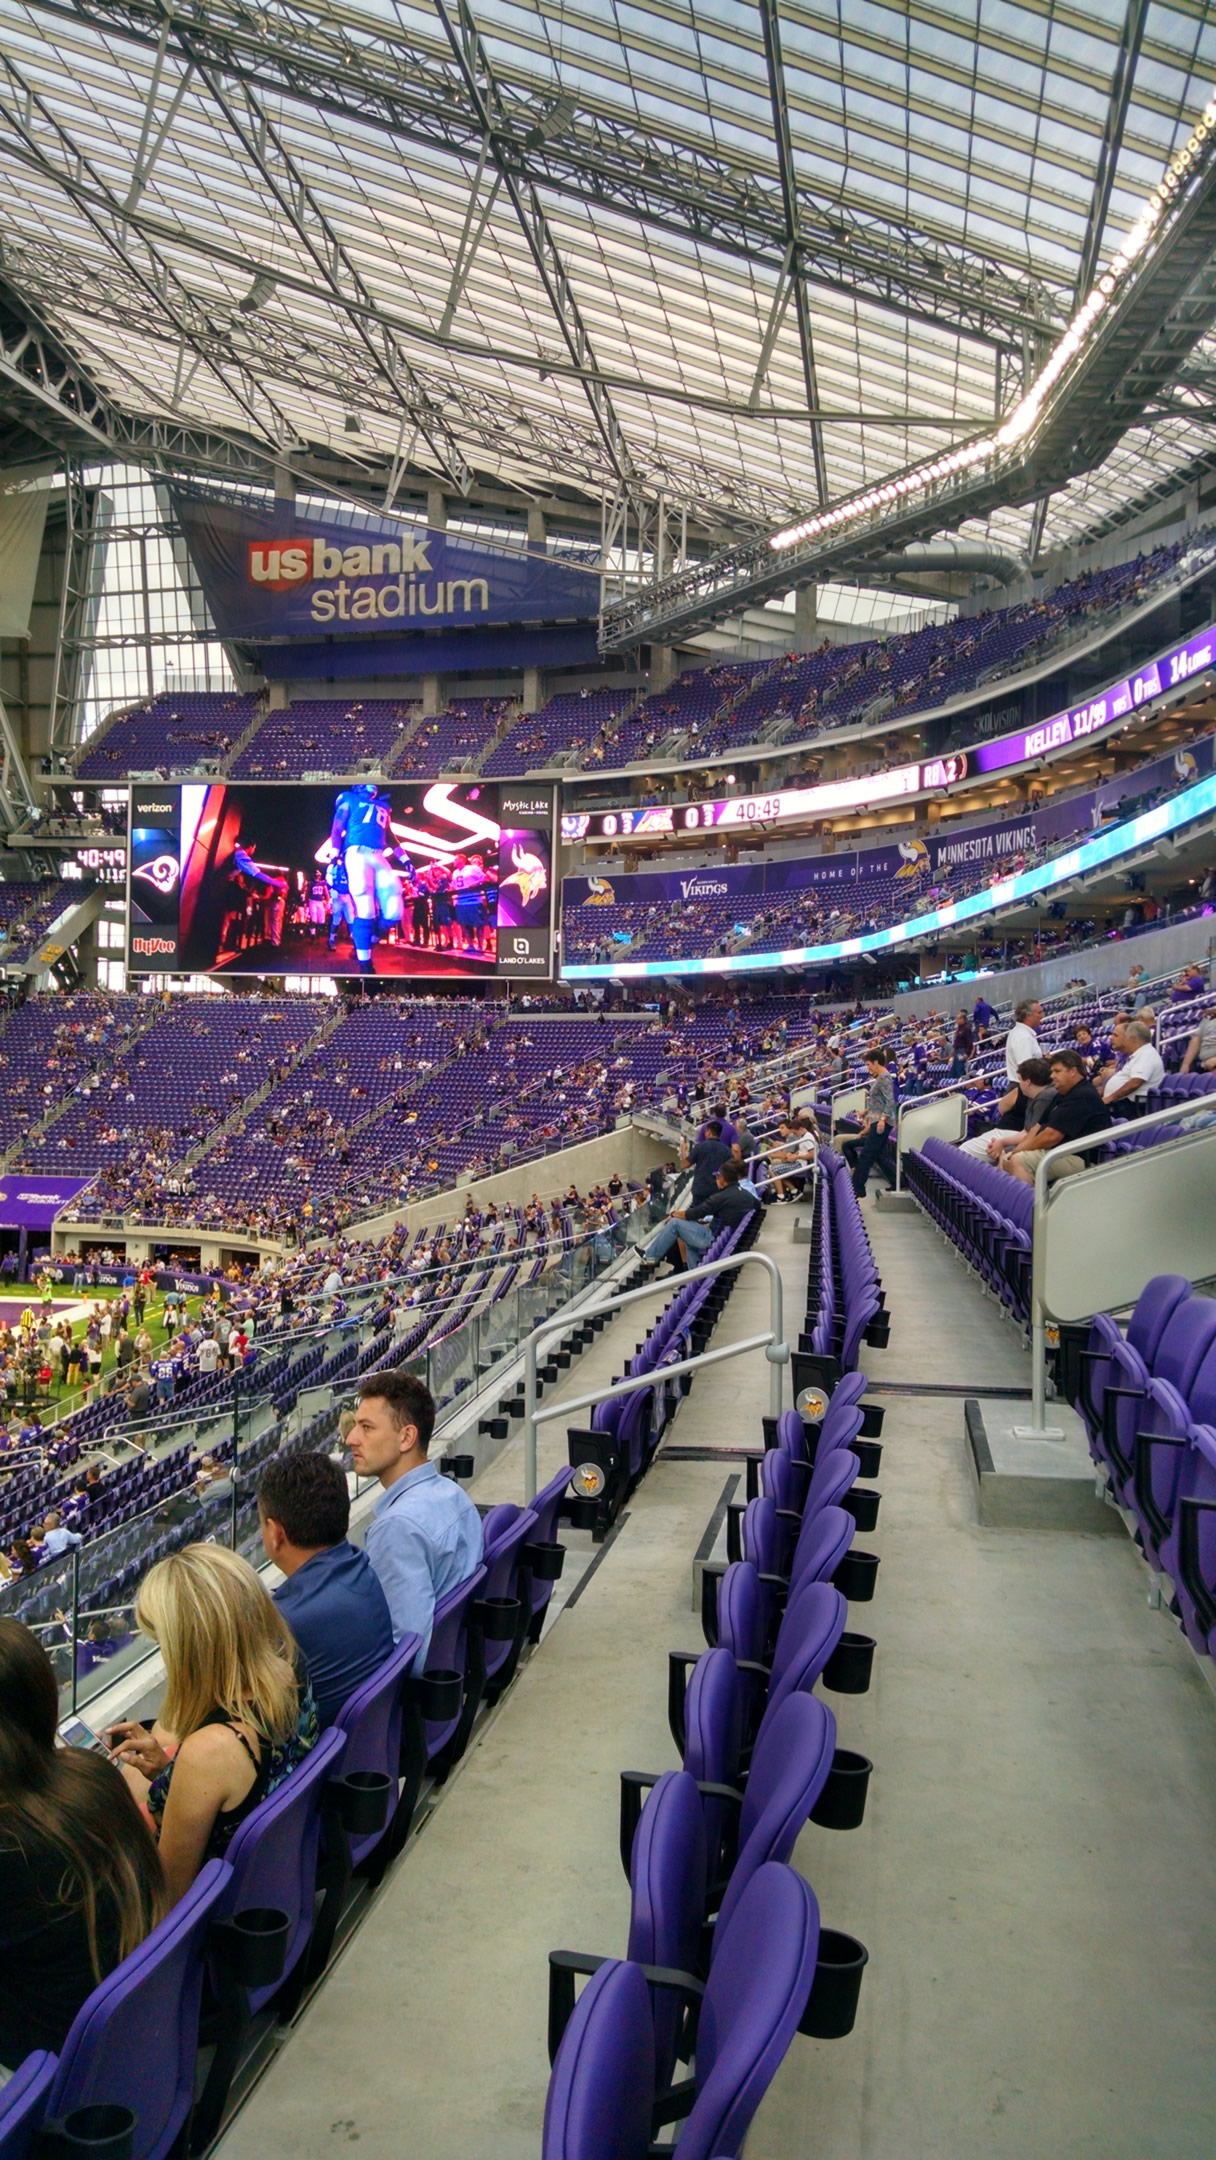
x=1036 y=1875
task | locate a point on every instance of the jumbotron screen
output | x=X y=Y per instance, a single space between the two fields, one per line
x=356 y=877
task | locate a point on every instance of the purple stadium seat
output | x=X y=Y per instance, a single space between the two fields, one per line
x=599 y=2099
x=506 y=1597
x=372 y=1721
x=23 y=2105
x=276 y=1864
x=752 y=2005
x=133 y=2043
x=547 y=1509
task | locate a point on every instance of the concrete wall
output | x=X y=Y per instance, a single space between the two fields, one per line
x=631 y=1150
x=1103 y=966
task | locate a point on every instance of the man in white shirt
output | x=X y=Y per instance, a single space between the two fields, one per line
x=1141 y=1069
x=1022 y=1042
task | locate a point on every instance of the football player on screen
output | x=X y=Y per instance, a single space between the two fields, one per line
x=359 y=838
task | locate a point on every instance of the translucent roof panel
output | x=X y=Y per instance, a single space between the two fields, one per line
x=745 y=255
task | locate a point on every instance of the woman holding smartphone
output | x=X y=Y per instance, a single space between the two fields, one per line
x=238 y=1712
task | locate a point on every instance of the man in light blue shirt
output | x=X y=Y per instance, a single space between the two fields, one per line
x=425 y=1534
x=56 y=1539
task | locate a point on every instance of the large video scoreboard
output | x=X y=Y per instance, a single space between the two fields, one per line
x=417 y=879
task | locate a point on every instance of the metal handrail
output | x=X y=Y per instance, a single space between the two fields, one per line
x=772 y=1342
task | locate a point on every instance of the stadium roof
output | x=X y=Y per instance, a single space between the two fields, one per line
x=593 y=245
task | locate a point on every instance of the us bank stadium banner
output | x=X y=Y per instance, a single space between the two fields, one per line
x=271 y=572
x=350 y=878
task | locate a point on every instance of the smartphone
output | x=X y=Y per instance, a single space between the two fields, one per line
x=75 y=1733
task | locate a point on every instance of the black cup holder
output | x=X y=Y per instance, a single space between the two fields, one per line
x=848 y=1670
x=512 y=1405
x=549 y=1370
x=872 y=1415
x=863 y=1507
x=831 y=2009
x=459 y=1466
x=103 y=2129
x=362 y=1799
x=495 y=1427
x=583 y=1514
x=545 y=1561
x=562 y=1358
x=255 y=1944
x=869 y=1456
x=438 y=1695
x=855 y=1577
x=842 y=1803
x=497 y=1617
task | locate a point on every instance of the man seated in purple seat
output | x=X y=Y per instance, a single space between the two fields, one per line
x=332 y=1599
x=1077 y=1111
x=695 y=1227
x=425 y=1534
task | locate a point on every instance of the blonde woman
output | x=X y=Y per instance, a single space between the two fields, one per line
x=238 y=1711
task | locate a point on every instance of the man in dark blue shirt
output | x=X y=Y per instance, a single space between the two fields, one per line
x=332 y=1600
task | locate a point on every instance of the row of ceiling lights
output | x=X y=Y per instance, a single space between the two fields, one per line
x=1025 y=414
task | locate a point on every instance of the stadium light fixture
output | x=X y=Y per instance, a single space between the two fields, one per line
x=262 y=289
x=1022 y=420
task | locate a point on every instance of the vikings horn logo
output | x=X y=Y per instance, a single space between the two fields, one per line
x=162 y=873
x=1184 y=765
x=599 y=893
x=913 y=858
x=529 y=873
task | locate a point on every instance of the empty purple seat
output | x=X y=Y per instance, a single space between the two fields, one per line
x=505 y=1603
x=547 y=1508
x=1184 y=1341
x=23 y=2105
x=442 y=1701
x=275 y=1858
x=600 y=2094
x=1195 y=1577
x=372 y=1720
x=1155 y=1306
x=753 y=2003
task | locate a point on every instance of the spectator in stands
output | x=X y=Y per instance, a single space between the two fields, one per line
x=695 y=1227
x=238 y=1712
x=1201 y=1049
x=425 y=1534
x=964 y=1046
x=705 y=1158
x=983 y=1015
x=332 y=1597
x=1141 y=1069
x=1077 y=1112
x=867 y=1150
x=80 y=1882
x=1035 y=1098
x=56 y=1538
x=1022 y=1042
x=800 y=1146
